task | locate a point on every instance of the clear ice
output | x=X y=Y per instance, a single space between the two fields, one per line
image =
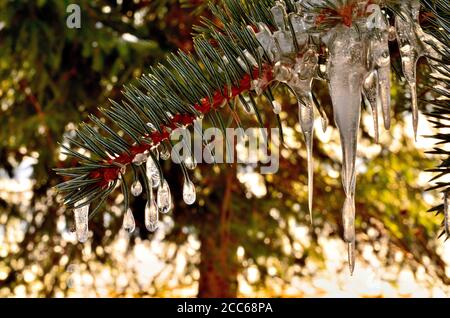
x=81 y=222
x=153 y=173
x=164 y=198
x=136 y=188
x=128 y=221
x=151 y=215
x=410 y=51
x=346 y=71
x=189 y=194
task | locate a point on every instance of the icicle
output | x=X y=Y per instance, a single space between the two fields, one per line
x=351 y=256
x=346 y=70
x=128 y=221
x=189 y=194
x=380 y=59
x=301 y=84
x=153 y=173
x=446 y=216
x=81 y=222
x=410 y=53
x=136 y=188
x=370 y=90
x=306 y=116
x=164 y=198
x=151 y=215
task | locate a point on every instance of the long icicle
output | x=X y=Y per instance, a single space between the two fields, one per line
x=410 y=53
x=346 y=69
x=306 y=117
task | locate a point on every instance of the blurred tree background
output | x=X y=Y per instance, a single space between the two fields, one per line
x=248 y=234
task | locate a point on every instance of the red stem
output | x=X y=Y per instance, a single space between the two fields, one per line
x=220 y=97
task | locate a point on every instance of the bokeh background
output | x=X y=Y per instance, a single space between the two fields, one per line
x=248 y=234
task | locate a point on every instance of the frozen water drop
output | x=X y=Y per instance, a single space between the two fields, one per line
x=190 y=162
x=128 y=221
x=164 y=198
x=189 y=194
x=81 y=222
x=136 y=188
x=151 y=215
x=153 y=173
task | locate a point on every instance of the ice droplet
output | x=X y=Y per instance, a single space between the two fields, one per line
x=136 y=188
x=128 y=221
x=81 y=222
x=151 y=215
x=189 y=194
x=164 y=198
x=190 y=162
x=153 y=173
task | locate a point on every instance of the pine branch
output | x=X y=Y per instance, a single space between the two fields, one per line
x=227 y=61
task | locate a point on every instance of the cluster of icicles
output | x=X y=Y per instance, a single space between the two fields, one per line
x=358 y=65
x=161 y=204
